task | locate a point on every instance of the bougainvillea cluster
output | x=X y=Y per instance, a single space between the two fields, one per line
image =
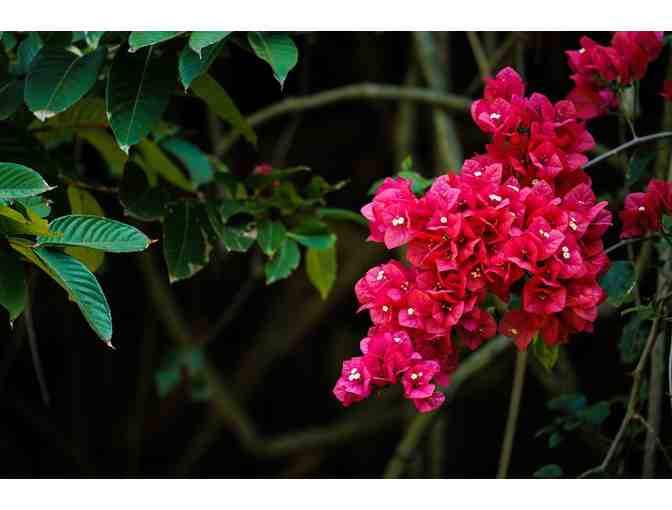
x=643 y=211
x=520 y=220
x=602 y=72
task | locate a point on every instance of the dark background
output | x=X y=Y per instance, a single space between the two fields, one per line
x=281 y=355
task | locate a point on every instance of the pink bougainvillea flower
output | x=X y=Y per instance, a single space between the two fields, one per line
x=521 y=326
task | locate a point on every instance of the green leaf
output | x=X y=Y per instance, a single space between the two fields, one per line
x=11 y=97
x=313 y=234
x=419 y=184
x=321 y=267
x=183 y=365
x=184 y=247
x=549 y=471
x=555 y=439
x=139 y=40
x=138 y=92
x=407 y=164
x=570 y=403
x=284 y=262
x=97 y=233
x=222 y=105
x=633 y=339
x=17 y=181
x=154 y=158
x=38 y=205
x=196 y=162
x=270 y=236
x=327 y=213
x=238 y=239
x=26 y=52
x=547 y=355
x=12 y=223
x=139 y=199
x=83 y=289
x=277 y=49
x=596 y=414
x=638 y=166
x=619 y=282
x=58 y=79
x=13 y=289
x=200 y=40
x=93 y=38
x=192 y=64
x=83 y=202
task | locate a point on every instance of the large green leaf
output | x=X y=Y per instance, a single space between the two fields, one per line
x=284 y=262
x=153 y=157
x=83 y=289
x=17 y=181
x=238 y=239
x=200 y=40
x=321 y=267
x=138 y=92
x=13 y=290
x=25 y=53
x=87 y=114
x=195 y=161
x=192 y=65
x=184 y=247
x=22 y=223
x=11 y=97
x=277 y=49
x=221 y=104
x=94 y=232
x=58 y=78
x=313 y=234
x=270 y=236
x=619 y=282
x=83 y=202
x=139 y=40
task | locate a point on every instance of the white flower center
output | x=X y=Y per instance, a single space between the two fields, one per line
x=397 y=340
x=494 y=197
x=443 y=219
x=354 y=375
x=386 y=308
x=381 y=275
x=495 y=116
x=641 y=208
x=410 y=311
x=477 y=173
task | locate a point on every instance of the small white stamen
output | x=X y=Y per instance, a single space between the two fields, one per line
x=410 y=311
x=397 y=340
x=495 y=116
x=641 y=208
x=566 y=255
x=477 y=173
x=414 y=376
x=565 y=249
x=381 y=275
x=514 y=188
x=444 y=219
x=514 y=331
x=494 y=197
x=386 y=308
x=535 y=182
x=582 y=50
x=398 y=221
x=572 y=225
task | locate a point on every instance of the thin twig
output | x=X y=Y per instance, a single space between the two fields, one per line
x=657 y=440
x=360 y=91
x=512 y=418
x=495 y=61
x=627 y=145
x=626 y=242
x=32 y=342
x=632 y=403
x=480 y=56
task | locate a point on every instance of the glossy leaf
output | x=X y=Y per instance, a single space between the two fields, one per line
x=313 y=234
x=83 y=289
x=277 y=49
x=13 y=289
x=26 y=52
x=284 y=262
x=549 y=471
x=619 y=282
x=83 y=202
x=200 y=40
x=184 y=247
x=238 y=239
x=138 y=91
x=321 y=267
x=195 y=161
x=17 y=181
x=270 y=236
x=94 y=232
x=192 y=65
x=139 y=40
x=58 y=78
x=547 y=355
x=221 y=104
x=14 y=223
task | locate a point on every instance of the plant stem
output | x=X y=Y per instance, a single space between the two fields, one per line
x=480 y=56
x=495 y=61
x=626 y=242
x=627 y=145
x=514 y=409
x=420 y=424
x=32 y=342
x=360 y=91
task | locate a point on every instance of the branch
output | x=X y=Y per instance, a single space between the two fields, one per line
x=512 y=419
x=420 y=425
x=635 y=141
x=626 y=242
x=480 y=56
x=35 y=353
x=632 y=403
x=361 y=91
x=496 y=60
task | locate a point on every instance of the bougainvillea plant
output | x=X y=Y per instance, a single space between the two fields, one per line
x=512 y=243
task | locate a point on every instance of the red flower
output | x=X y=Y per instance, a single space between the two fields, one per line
x=541 y=296
x=521 y=326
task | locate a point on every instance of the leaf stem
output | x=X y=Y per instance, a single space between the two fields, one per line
x=635 y=141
